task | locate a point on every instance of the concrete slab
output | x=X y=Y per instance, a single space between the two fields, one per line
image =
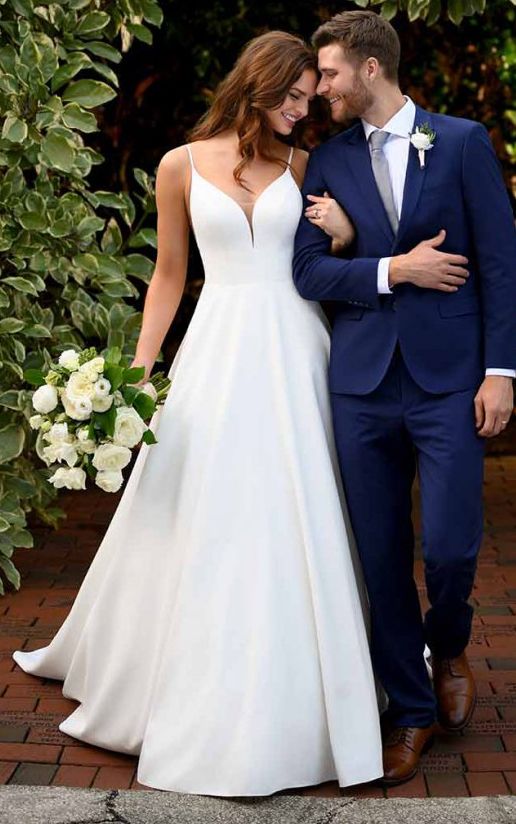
x=59 y=805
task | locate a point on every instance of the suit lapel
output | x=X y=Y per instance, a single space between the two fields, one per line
x=357 y=155
x=414 y=178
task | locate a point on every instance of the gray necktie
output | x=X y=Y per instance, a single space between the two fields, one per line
x=381 y=175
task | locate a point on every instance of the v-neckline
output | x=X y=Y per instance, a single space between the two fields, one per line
x=249 y=222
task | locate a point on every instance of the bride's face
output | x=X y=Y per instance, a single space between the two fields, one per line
x=295 y=106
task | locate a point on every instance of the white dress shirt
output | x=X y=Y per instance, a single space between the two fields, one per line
x=396 y=150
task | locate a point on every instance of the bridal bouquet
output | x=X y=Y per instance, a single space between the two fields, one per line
x=90 y=415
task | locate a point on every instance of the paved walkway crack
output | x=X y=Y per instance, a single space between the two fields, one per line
x=110 y=804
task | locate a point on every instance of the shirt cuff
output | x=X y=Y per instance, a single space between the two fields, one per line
x=507 y=373
x=383 y=276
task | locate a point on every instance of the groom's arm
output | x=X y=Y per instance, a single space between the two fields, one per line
x=494 y=239
x=317 y=274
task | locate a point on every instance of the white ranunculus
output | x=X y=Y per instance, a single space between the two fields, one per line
x=69 y=359
x=35 y=421
x=69 y=478
x=95 y=365
x=109 y=480
x=420 y=140
x=85 y=444
x=44 y=399
x=110 y=456
x=102 y=388
x=79 y=409
x=150 y=390
x=129 y=427
x=79 y=386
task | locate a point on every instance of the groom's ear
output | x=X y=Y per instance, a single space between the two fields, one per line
x=371 y=68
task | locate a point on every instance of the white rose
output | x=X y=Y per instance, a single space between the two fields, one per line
x=69 y=359
x=61 y=451
x=69 y=478
x=102 y=404
x=35 y=421
x=109 y=481
x=93 y=366
x=102 y=388
x=109 y=456
x=44 y=399
x=420 y=140
x=79 y=409
x=150 y=390
x=129 y=427
x=79 y=386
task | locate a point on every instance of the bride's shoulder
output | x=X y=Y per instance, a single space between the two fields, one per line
x=174 y=160
x=298 y=163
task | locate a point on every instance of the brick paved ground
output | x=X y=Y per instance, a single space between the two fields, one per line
x=481 y=761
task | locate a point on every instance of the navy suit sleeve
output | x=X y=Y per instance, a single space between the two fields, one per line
x=317 y=274
x=494 y=240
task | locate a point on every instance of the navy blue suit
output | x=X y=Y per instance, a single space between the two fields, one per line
x=404 y=369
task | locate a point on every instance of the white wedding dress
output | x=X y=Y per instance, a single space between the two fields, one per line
x=219 y=632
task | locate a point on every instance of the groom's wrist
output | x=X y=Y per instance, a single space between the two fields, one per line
x=397 y=273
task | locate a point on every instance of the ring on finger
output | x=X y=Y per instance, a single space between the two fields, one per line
x=317 y=214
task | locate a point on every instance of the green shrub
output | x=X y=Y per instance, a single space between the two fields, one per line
x=66 y=278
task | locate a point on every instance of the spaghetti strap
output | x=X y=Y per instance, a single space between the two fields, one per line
x=291 y=155
x=188 y=149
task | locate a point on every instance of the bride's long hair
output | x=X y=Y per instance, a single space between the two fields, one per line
x=260 y=80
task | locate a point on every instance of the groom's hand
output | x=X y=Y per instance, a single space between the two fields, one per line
x=494 y=403
x=426 y=267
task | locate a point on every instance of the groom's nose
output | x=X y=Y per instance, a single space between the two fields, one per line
x=323 y=86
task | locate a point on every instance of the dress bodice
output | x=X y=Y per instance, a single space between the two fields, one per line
x=235 y=249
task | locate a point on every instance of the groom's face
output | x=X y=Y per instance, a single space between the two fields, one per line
x=341 y=84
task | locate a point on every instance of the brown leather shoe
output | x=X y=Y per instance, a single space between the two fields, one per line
x=402 y=751
x=455 y=690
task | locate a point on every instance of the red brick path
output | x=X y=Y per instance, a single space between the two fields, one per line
x=482 y=761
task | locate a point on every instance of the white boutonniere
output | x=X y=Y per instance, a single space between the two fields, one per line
x=422 y=139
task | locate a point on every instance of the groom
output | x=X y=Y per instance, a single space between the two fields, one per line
x=422 y=359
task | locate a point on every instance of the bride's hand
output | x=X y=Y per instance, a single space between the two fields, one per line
x=148 y=369
x=331 y=218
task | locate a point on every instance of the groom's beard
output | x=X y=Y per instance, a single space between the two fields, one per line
x=352 y=104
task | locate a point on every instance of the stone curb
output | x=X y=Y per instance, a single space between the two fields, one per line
x=60 y=805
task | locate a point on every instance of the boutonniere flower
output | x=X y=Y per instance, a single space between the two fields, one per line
x=422 y=139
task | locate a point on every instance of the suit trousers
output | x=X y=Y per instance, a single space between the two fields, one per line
x=382 y=439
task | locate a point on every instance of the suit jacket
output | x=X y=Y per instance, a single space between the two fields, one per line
x=447 y=339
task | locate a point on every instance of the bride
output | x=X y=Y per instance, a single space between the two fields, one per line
x=219 y=632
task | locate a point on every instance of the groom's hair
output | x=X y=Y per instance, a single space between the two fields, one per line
x=362 y=34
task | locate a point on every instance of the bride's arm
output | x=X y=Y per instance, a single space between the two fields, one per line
x=326 y=213
x=168 y=280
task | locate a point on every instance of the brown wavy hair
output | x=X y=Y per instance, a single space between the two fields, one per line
x=260 y=80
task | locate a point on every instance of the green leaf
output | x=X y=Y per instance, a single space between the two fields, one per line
x=76 y=118
x=10 y=571
x=34 y=377
x=112 y=356
x=37 y=331
x=11 y=326
x=103 y=50
x=11 y=399
x=455 y=11
x=4 y=525
x=14 y=129
x=22 y=538
x=22 y=285
x=106 y=420
x=140 y=32
x=133 y=374
x=89 y=93
x=152 y=12
x=145 y=237
x=115 y=375
x=149 y=437
x=12 y=439
x=144 y=405
x=92 y=22
x=57 y=152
